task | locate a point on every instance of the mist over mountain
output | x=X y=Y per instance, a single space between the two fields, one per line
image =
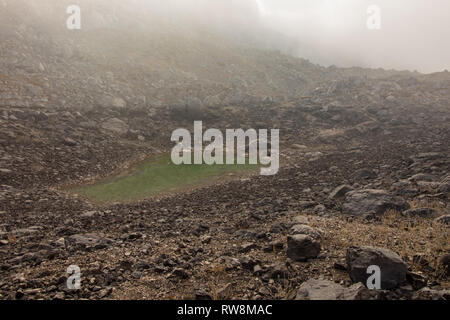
x=412 y=36
x=88 y=181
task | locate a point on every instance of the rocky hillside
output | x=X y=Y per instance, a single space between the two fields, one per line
x=364 y=175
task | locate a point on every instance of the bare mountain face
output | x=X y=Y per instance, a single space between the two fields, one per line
x=355 y=144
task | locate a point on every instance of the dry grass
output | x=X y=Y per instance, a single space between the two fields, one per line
x=410 y=238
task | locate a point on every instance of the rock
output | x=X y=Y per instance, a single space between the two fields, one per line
x=275 y=271
x=340 y=266
x=69 y=142
x=426 y=156
x=307 y=230
x=372 y=201
x=88 y=241
x=444 y=219
x=115 y=125
x=299 y=146
x=364 y=174
x=320 y=208
x=416 y=280
x=340 y=192
x=274 y=246
x=89 y=214
x=393 y=269
x=248 y=262
x=61 y=242
x=229 y=262
x=225 y=292
x=118 y=103
x=444 y=262
x=205 y=239
x=301 y=247
x=314 y=289
x=111 y=102
x=429 y=294
x=422 y=177
x=247 y=247
x=420 y=212
x=59 y=296
x=27 y=231
x=300 y=220
x=181 y=273
x=202 y=295
x=444 y=187
x=142 y=265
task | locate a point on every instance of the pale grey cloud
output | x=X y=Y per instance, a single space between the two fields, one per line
x=415 y=34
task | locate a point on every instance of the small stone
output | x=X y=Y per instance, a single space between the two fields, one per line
x=340 y=192
x=202 y=295
x=247 y=247
x=444 y=219
x=307 y=230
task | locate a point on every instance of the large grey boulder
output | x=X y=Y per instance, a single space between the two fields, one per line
x=393 y=269
x=301 y=247
x=361 y=202
x=315 y=289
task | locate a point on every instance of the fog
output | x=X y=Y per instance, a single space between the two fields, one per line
x=414 y=34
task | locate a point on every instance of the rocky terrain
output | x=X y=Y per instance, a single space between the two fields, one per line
x=364 y=176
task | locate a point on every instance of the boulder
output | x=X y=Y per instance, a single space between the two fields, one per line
x=315 y=289
x=393 y=269
x=301 y=247
x=372 y=201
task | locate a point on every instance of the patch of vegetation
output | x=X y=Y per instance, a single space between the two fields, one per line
x=159 y=175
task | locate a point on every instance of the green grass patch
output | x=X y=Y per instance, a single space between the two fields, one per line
x=155 y=176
